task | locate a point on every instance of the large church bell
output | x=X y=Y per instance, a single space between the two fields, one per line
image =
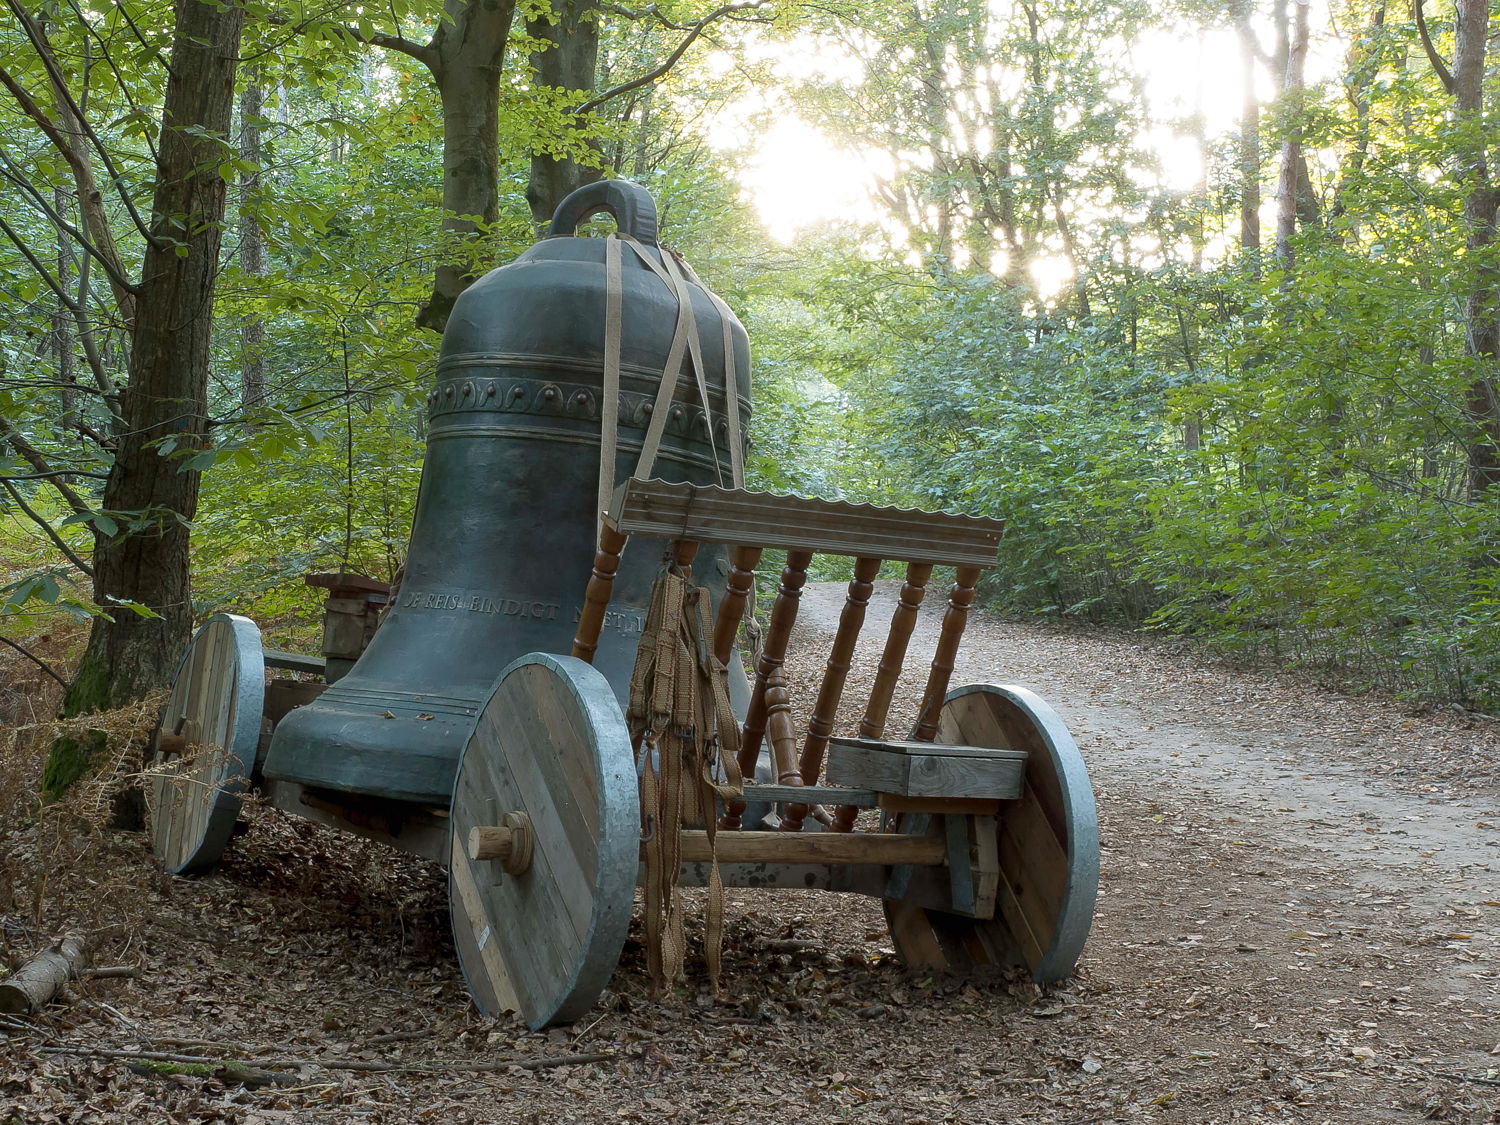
x=580 y=353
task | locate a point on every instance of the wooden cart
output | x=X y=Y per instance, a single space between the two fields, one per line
x=981 y=838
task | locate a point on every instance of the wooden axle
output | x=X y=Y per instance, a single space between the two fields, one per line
x=814 y=847
x=510 y=842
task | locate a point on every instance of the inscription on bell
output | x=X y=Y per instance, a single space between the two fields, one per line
x=627 y=621
x=478 y=603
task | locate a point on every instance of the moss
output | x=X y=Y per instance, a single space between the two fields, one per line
x=155 y=1066
x=69 y=757
x=68 y=760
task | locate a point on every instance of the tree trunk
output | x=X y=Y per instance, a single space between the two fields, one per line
x=253 y=385
x=1249 y=144
x=1293 y=171
x=1481 y=314
x=466 y=57
x=568 y=64
x=167 y=392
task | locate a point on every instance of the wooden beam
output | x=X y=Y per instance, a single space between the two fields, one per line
x=815 y=847
x=711 y=514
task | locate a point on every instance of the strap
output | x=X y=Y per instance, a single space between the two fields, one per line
x=695 y=352
x=651 y=444
x=609 y=409
x=731 y=391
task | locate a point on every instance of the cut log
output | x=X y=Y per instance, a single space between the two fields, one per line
x=40 y=979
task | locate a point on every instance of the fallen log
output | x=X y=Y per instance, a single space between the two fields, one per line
x=43 y=977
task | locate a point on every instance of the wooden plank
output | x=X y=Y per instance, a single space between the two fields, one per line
x=285 y=696
x=912 y=932
x=815 y=847
x=907 y=773
x=711 y=514
x=944 y=749
x=959 y=806
x=294 y=661
x=813 y=794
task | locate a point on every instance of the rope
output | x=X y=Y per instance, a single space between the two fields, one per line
x=687 y=741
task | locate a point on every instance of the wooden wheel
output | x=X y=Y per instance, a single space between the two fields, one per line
x=541 y=901
x=1048 y=844
x=202 y=753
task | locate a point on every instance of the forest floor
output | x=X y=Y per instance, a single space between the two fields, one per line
x=1299 y=921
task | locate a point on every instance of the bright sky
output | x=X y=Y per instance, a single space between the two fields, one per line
x=799 y=178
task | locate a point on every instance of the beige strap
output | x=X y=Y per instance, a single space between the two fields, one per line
x=609 y=408
x=695 y=355
x=687 y=753
x=731 y=391
x=651 y=445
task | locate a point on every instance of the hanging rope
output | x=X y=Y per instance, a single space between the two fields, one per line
x=687 y=741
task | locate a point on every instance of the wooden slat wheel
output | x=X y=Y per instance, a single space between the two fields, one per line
x=550 y=760
x=201 y=755
x=1048 y=844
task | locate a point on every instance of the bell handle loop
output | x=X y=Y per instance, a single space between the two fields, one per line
x=632 y=206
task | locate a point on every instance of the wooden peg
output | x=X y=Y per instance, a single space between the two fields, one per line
x=596 y=596
x=772 y=656
x=820 y=725
x=959 y=600
x=741 y=581
x=892 y=657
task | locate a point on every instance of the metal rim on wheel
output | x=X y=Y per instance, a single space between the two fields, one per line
x=194 y=790
x=550 y=752
x=1048 y=846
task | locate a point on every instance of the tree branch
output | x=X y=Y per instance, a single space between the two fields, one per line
x=57 y=540
x=117 y=279
x=1445 y=76
x=37 y=660
x=77 y=121
x=697 y=29
x=33 y=457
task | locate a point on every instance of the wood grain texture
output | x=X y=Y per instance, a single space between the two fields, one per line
x=926 y=772
x=960 y=598
x=814 y=847
x=551 y=743
x=772 y=656
x=831 y=690
x=762 y=519
x=737 y=587
x=598 y=592
x=217 y=696
x=1046 y=847
x=888 y=671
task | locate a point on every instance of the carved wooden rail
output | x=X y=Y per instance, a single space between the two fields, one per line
x=750 y=522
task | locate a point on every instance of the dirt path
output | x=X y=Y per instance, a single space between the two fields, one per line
x=1298 y=923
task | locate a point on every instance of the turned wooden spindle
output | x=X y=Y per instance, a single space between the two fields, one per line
x=596 y=596
x=781 y=731
x=892 y=657
x=959 y=600
x=737 y=587
x=831 y=691
x=684 y=551
x=772 y=655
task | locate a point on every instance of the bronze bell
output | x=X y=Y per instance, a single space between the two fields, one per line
x=503 y=537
